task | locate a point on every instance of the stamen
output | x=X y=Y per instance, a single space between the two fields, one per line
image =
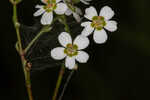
x=71 y=50
x=98 y=22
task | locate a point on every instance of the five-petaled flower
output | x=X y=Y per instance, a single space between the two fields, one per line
x=71 y=51
x=47 y=10
x=98 y=22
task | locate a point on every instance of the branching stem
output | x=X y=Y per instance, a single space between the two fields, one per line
x=20 y=49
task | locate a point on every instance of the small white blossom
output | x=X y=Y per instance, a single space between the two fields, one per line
x=47 y=10
x=98 y=23
x=71 y=51
x=76 y=13
x=73 y=10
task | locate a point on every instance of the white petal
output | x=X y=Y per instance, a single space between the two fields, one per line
x=44 y=1
x=111 y=26
x=77 y=17
x=78 y=11
x=70 y=62
x=84 y=24
x=64 y=38
x=68 y=12
x=90 y=13
x=82 y=57
x=39 y=12
x=39 y=6
x=88 y=29
x=107 y=12
x=47 y=18
x=58 y=1
x=100 y=36
x=61 y=8
x=81 y=41
x=58 y=53
x=85 y=2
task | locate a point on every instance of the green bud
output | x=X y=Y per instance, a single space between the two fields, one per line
x=46 y=28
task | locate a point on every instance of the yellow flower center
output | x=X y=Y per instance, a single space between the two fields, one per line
x=50 y=6
x=98 y=22
x=71 y=50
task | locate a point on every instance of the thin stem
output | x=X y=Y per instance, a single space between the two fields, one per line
x=20 y=49
x=62 y=70
x=16 y=25
x=66 y=84
x=36 y=38
x=45 y=29
x=28 y=85
x=63 y=20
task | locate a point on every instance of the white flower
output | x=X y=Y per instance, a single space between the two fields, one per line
x=76 y=13
x=71 y=51
x=86 y=2
x=48 y=8
x=98 y=23
x=73 y=10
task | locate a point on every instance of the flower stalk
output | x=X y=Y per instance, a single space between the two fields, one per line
x=20 y=49
x=45 y=29
x=61 y=72
x=63 y=20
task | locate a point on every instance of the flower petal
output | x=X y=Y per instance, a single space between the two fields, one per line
x=39 y=12
x=44 y=1
x=82 y=57
x=39 y=6
x=85 y=2
x=84 y=24
x=111 y=26
x=47 y=18
x=68 y=12
x=100 y=36
x=78 y=11
x=81 y=41
x=58 y=53
x=90 y=13
x=107 y=12
x=88 y=29
x=64 y=38
x=61 y=8
x=58 y=1
x=77 y=17
x=70 y=62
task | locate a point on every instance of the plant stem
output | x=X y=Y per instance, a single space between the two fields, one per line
x=64 y=21
x=62 y=70
x=45 y=29
x=21 y=51
x=36 y=38
x=28 y=85
x=66 y=84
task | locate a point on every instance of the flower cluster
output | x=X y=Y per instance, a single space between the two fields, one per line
x=97 y=24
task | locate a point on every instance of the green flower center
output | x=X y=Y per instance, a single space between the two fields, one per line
x=98 y=22
x=71 y=50
x=50 y=6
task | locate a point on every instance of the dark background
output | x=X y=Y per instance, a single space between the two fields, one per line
x=117 y=70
